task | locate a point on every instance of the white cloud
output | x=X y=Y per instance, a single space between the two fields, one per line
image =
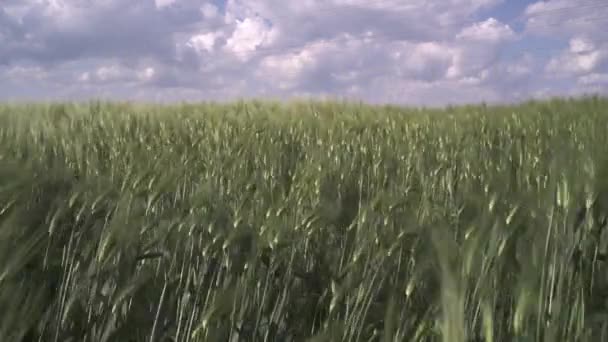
x=476 y=48
x=63 y=14
x=428 y=61
x=204 y=41
x=419 y=51
x=288 y=68
x=520 y=68
x=559 y=18
x=108 y=73
x=581 y=45
x=85 y=77
x=574 y=62
x=395 y=90
x=209 y=11
x=163 y=3
x=27 y=72
x=146 y=74
x=490 y=30
x=288 y=65
x=582 y=26
x=248 y=35
x=594 y=79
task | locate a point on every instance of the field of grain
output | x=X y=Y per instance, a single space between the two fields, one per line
x=307 y=221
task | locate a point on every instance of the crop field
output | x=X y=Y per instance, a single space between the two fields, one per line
x=304 y=221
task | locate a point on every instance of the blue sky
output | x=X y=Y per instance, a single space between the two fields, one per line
x=413 y=52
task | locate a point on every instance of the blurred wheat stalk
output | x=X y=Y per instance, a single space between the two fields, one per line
x=258 y=221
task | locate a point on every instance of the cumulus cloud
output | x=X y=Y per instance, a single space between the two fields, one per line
x=416 y=52
x=209 y=10
x=594 y=79
x=581 y=45
x=425 y=61
x=203 y=42
x=490 y=30
x=248 y=35
x=26 y=73
x=583 y=60
x=116 y=73
x=575 y=63
x=163 y=3
x=566 y=17
x=478 y=47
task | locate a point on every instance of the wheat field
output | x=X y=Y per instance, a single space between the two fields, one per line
x=304 y=221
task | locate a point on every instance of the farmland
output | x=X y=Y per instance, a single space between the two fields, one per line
x=320 y=221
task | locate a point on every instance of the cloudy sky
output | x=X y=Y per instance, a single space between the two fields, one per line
x=417 y=52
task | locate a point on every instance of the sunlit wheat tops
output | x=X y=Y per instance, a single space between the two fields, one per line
x=260 y=221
